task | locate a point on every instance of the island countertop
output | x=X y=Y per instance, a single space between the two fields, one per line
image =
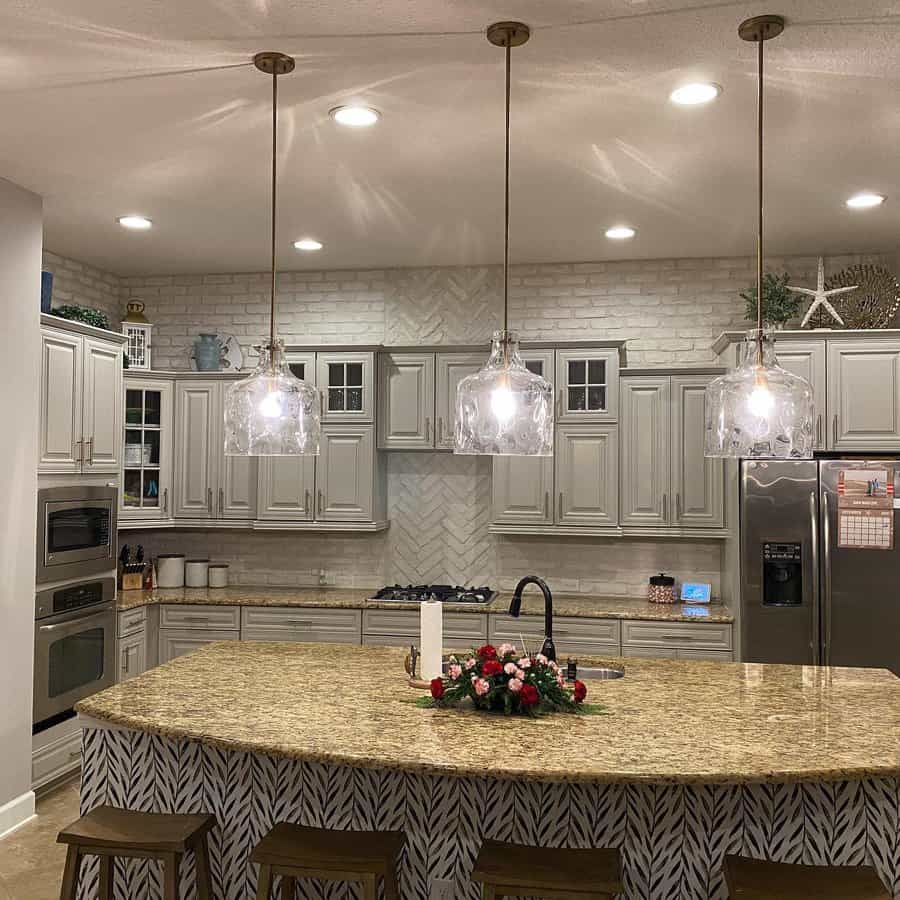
x=564 y=605
x=667 y=721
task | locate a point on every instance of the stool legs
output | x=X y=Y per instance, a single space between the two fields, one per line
x=106 y=873
x=288 y=884
x=70 y=874
x=264 y=885
x=370 y=887
x=391 y=891
x=204 y=882
x=170 y=866
x=489 y=892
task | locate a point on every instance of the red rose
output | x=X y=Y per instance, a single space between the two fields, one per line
x=488 y=651
x=437 y=688
x=528 y=695
x=491 y=667
x=580 y=691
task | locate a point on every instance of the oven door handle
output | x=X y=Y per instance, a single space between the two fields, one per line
x=76 y=622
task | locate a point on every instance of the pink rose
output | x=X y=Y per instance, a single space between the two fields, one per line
x=553 y=666
x=454 y=671
x=481 y=687
x=510 y=668
x=515 y=685
x=524 y=663
x=506 y=650
x=520 y=674
x=542 y=659
x=470 y=662
x=561 y=679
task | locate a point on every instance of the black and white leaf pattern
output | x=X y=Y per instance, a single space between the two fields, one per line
x=835 y=832
x=773 y=822
x=712 y=829
x=881 y=798
x=653 y=848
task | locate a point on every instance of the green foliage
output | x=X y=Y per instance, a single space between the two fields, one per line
x=779 y=305
x=84 y=314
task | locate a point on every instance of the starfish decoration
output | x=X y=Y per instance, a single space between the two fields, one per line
x=821 y=296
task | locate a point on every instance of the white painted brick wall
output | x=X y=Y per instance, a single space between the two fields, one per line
x=75 y=282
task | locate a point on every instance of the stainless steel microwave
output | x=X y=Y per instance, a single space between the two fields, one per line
x=76 y=533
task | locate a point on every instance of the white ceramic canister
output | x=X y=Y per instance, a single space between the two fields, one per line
x=196 y=573
x=218 y=575
x=170 y=570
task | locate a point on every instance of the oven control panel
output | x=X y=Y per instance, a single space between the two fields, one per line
x=65 y=599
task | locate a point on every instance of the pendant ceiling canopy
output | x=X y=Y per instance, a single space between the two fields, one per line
x=272 y=413
x=504 y=409
x=759 y=409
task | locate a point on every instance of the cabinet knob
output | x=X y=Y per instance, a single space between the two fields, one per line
x=165 y=501
x=834 y=428
x=209 y=508
x=440 y=429
x=427 y=428
x=90 y=443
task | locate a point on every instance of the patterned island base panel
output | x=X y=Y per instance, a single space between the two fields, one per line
x=672 y=837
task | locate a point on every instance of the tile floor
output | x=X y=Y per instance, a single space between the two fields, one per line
x=31 y=862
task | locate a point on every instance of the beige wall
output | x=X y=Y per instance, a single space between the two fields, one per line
x=77 y=282
x=20 y=268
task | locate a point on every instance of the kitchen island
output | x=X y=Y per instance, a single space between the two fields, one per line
x=693 y=760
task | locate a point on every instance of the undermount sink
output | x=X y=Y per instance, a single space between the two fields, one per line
x=599 y=673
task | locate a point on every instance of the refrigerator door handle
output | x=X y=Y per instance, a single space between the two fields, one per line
x=826 y=575
x=814 y=533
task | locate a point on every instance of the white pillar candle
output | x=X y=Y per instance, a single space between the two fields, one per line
x=431 y=639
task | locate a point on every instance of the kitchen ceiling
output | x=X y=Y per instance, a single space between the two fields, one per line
x=123 y=106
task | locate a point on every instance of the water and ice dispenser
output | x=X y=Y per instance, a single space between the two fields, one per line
x=782 y=575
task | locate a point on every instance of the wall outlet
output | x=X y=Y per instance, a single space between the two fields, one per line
x=441 y=889
x=324 y=578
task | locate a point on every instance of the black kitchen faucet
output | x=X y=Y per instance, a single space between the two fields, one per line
x=515 y=606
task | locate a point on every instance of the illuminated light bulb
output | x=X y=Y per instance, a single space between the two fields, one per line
x=503 y=404
x=271 y=405
x=760 y=402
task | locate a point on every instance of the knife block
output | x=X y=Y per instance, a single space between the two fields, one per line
x=132 y=581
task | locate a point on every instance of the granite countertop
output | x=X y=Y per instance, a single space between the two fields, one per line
x=668 y=721
x=564 y=605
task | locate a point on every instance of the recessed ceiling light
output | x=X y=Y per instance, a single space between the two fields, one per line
x=136 y=223
x=355 y=116
x=865 y=200
x=696 y=93
x=308 y=244
x=620 y=233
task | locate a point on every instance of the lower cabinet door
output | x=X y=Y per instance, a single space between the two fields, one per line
x=132 y=655
x=175 y=642
x=587 y=482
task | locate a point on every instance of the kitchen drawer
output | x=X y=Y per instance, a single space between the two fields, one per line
x=714 y=655
x=649 y=653
x=199 y=616
x=460 y=629
x=59 y=758
x=132 y=620
x=175 y=642
x=678 y=635
x=285 y=623
x=573 y=635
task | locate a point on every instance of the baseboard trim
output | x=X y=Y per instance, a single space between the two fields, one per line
x=16 y=813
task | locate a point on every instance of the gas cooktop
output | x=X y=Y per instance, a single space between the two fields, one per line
x=418 y=593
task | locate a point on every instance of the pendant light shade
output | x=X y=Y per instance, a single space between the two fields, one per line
x=758 y=409
x=504 y=409
x=272 y=413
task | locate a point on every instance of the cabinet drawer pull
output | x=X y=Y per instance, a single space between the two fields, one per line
x=677 y=507
x=321 y=502
x=834 y=428
x=165 y=501
x=546 y=504
x=74 y=754
x=322 y=403
x=440 y=430
x=306 y=501
x=427 y=428
x=221 y=501
x=124 y=659
x=305 y=623
x=79 y=452
x=819 y=430
x=188 y=618
x=209 y=500
x=665 y=508
x=560 y=504
x=90 y=443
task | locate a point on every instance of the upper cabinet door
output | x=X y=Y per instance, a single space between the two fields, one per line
x=287 y=488
x=406 y=401
x=698 y=482
x=345 y=474
x=864 y=395
x=302 y=365
x=523 y=490
x=346 y=383
x=61 y=446
x=147 y=468
x=198 y=437
x=102 y=414
x=238 y=487
x=587 y=486
x=807 y=359
x=644 y=476
x=587 y=383
x=451 y=368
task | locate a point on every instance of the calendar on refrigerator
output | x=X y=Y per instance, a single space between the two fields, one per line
x=866 y=509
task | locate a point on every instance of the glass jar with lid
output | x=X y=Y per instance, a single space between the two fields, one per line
x=661 y=589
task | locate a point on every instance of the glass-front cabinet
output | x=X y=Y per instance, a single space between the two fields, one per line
x=147 y=455
x=587 y=384
x=346 y=382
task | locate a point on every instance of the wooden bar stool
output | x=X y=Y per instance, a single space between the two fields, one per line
x=296 y=851
x=108 y=831
x=558 y=873
x=759 y=879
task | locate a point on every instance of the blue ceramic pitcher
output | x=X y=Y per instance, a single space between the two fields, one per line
x=208 y=353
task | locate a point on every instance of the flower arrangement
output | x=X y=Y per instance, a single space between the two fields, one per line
x=502 y=680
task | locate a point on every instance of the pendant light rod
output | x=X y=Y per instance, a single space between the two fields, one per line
x=274 y=64
x=758 y=30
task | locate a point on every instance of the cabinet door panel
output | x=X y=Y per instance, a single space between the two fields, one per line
x=61 y=402
x=522 y=489
x=698 y=482
x=197 y=456
x=807 y=359
x=645 y=466
x=132 y=656
x=587 y=475
x=174 y=642
x=345 y=474
x=864 y=395
x=587 y=383
x=346 y=382
x=405 y=401
x=451 y=368
x=287 y=486
x=239 y=487
x=102 y=415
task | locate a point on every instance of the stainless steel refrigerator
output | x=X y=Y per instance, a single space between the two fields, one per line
x=804 y=599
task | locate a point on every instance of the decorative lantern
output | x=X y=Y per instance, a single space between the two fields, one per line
x=137 y=329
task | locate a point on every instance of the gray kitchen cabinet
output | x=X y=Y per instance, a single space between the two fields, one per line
x=864 y=394
x=689 y=636
x=400 y=628
x=286 y=623
x=405 y=401
x=807 y=359
x=347 y=385
x=175 y=642
x=587 y=489
x=56 y=754
x=80 y=401
x=287 y=488
x=571 y=636
x=238 y=485
x=302 y=364
x=587 y=382
x=346 y=474
x=132 y=654
x=649 y=653
x=185 y=627
x=450 y=369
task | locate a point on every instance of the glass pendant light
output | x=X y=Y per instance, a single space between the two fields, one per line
x=272 y=413
x=758 y=409
x=504 y=409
